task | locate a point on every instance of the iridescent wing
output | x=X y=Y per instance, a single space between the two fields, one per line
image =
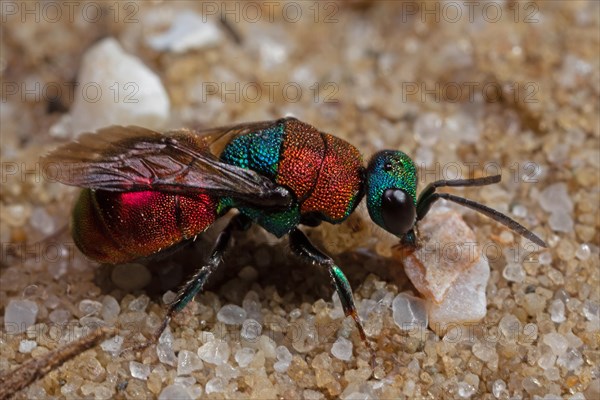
x=131 y=158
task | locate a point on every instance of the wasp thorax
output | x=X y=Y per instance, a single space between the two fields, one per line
x=391 y=191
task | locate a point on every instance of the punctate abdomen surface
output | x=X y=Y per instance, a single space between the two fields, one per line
x=117 y=227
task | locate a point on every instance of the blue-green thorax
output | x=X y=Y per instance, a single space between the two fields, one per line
x=389 y=169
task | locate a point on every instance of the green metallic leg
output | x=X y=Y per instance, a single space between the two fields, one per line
x=301 y=246
x=196 y=283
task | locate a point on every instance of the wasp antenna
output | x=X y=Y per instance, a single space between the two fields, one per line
x=486 y=180
x=493 y=214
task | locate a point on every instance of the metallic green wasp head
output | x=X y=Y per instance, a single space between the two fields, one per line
x=392 y=191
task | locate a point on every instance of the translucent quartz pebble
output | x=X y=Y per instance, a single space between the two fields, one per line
x=409 y=312
x=19 y=315
x=342 y=349
x=175 y=391
x=188 y=362
x=449 y=250
x=107 y=65
x=139 y=370
x=26 y=346
x=557 y=342
x=112 y=345
x=188 y=31
x=214 y=352
x=284 y=359
x=466 y=300
x=244 y=356
x=231 y=314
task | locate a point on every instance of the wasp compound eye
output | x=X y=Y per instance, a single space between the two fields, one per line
x=398 y=211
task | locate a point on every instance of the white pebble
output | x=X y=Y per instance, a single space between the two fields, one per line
x=121 y=91
x=26 y=346
x=267 y=345
x=409 y=312
x=214 y=352
x=175 y=391
x=428 y=128
x=465 y=390
x=514 y=272
x=164 y=349
x=139 y=304
x=187 y=362
x=284 y=359
x=42 y=221
x=571 y=360
x=342 y=349
x=557 y=311
x=19 y=315
x=555 y=198
x=545 y=258
x=251 y=330
x=215 y=385
x=231 y=314
x=112 y=345
x=90 y=307
x=59 y=316
x=187 y=32
x=583 y=252
x=561 y=221
x=110 y=309
x=139 y=370
x=499 y=388
x=244 y=356
x=557 y=342
x=591 y=310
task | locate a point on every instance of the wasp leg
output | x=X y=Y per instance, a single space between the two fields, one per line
x=196 y=283
x=302 y=247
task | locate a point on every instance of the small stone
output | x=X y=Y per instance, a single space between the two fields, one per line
x=231 y=314
x=545 y=258
x=466 y=300
x=561 y=221
x=188 y=31
x=546 y=360
x=591 y=310
x=284 y=359
x=214 y=352
x=268 y=346
x=112 y=345
x=90 y=307
x=557 y=311
x=499 y=389
x=342 y=349
x=465 y=391
x=139 y=370
x=514 y=272
x=556 y=198
x=188 y=362
x=42 y=221
x=215 y=385
x=19 y=315
x=244 y=356
x=26 y=346
x=251 y=330
x=448 y=249
x=121 y=91
x=532 y=386
x=309 y=394
x=583 y=252
x=164 y=349
x=131 y=277
x=175 y=391
x=110 y=309
x=557 y=343
x=571 y=360
x=60 y=316
x=485 y=353
x=509 y=327
x=428 y=128
x=534 y=304
x=409 y=312
x=139 y=304
x=227 y=372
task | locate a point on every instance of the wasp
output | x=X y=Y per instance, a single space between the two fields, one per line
x=145 y=191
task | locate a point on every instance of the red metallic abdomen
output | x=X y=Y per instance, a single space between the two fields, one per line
x=117 y=227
